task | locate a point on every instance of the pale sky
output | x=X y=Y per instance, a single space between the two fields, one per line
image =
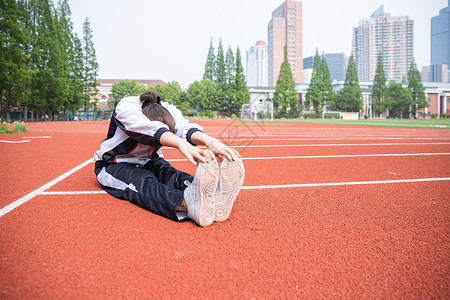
x=169 y=40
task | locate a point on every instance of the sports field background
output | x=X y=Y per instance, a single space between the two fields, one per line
x=326 y=211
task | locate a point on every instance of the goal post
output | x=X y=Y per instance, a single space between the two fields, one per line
x=339 y=115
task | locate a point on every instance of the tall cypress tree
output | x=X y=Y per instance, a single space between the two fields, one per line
x=416 y=89
x=314 y=95
x=230 y=78
x=210 y=66
x=90 y=66
x=48 y=85
x=220 y=66
x=14 y=74
x=242 y=94
x=76 y=79
x=327 y=87
x=285 y=96
x=349 y=98
x=67 y=50
x=379 y=87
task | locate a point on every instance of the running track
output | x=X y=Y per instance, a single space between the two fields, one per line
x=326 y=211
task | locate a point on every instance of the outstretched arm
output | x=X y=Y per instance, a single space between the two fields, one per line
x=192 y=153
x=213 y=144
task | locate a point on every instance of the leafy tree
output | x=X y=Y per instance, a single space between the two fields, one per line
x=242 y=94
x=327 y=87
x=349 y=98
x=220 y=66
x=210 y=66
x=313 y=95
x=172 y=93
x=125 y=88
x=71 y=62
x=14 y=74
x=285 y=95
x=229 y=88
x=398 y=99
x=48 y=82
x=76 y=81
x=416 y=89
x=90 y=66
x=379 y=87
x=203 y=96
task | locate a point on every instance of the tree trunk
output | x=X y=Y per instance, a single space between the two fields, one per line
x=25 y=113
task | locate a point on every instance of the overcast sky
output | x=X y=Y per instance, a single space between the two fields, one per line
x=169 y=40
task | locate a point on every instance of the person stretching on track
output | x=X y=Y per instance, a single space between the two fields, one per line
x=131 y=166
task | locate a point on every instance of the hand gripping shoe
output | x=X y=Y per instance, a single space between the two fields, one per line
x=231 y=178
x=199 y=195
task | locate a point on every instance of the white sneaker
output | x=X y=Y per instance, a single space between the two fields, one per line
x=231 y=178
x=199 y=195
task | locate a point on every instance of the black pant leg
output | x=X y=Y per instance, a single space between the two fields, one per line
x=139 y=186
x=167 y=174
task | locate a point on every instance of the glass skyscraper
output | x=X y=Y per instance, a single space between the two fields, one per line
x=337 y=64
x=440 y=38
x=392 y=37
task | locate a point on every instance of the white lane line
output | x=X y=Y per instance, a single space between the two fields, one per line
x=14 y=142
x=283 y=186
x=37 y=137
x=338 y=145
x=342 y=183
x=321 y=145
x=73 y=193
x=38 y=191
x=335 y=139
x=329 y=156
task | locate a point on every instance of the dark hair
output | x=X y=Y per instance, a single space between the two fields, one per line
x=156 y=112
x=150 y=97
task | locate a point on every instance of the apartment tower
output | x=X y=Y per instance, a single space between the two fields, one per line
x=390 y=36
x=256 y=65
x=285 y=28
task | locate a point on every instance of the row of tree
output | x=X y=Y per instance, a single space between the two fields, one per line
x=222 y=89
x=398 y=99
x=395 y=100
x=223 y=83
x=45 y=66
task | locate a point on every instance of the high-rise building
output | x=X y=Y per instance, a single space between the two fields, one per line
x=285 y=28
x=256 y=65
x=440 y=37
x=337 y=64
x=390 y=36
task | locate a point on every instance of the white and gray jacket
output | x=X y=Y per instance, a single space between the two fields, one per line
x=133 y=138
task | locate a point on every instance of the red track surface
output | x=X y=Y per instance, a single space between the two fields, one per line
x=388 y=240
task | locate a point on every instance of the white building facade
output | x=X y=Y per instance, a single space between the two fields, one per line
x=256 y=65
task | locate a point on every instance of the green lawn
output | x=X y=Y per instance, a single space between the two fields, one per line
x=431 y=123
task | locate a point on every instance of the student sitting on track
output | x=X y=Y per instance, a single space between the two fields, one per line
x=130 y=164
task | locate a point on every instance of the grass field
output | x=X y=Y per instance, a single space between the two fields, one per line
x=436 y=123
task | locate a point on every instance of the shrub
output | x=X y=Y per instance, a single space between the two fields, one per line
x=311 y=115
x=3 y=127
x=261 y=115
x=444 y=116
x=17 y=126
x=208 y=113
x=433 y=116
